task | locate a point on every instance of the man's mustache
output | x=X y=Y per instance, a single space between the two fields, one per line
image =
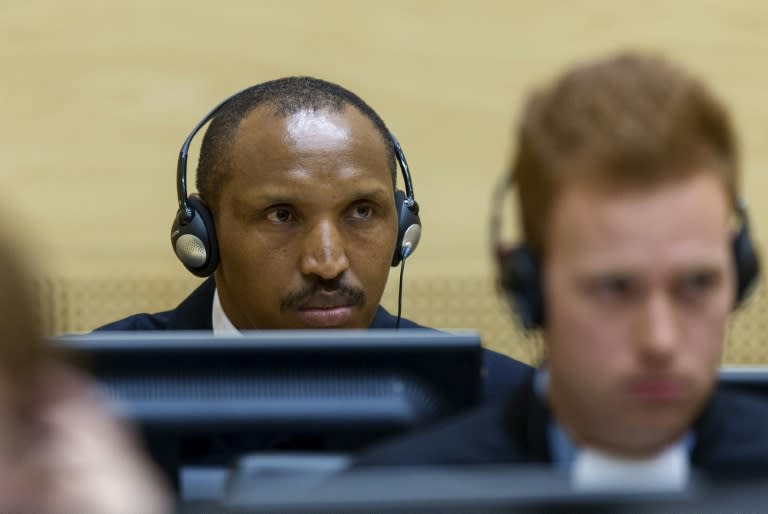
x=340 y=293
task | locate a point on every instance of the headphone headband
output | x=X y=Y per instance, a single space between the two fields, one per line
x=404 y=169
x=181 y=166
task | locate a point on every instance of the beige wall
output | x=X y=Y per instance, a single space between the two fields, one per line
x=96 y=97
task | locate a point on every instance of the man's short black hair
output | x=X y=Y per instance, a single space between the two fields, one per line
x=288 y=96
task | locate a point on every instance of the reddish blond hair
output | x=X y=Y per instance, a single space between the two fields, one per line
x=631 y=119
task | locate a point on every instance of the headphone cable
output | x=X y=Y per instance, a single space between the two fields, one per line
x=400 y=295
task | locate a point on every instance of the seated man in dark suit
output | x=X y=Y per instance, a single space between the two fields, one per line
x=297 y=217
x=627 y=181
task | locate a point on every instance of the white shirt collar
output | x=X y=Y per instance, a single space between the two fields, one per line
x=596 y=470
x=592 y=469
x=222 y=326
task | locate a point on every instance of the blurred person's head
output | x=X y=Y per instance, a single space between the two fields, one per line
x=299 y=177
x=627 y=175
x=60 y=448
x=23 y=353
x=24 y=359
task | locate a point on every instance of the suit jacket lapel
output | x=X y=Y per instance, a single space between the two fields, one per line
x=195 y=312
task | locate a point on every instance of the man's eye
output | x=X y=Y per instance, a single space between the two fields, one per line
x=280 y=215
x=698 y=284
x=362 y=212
x=611 y=288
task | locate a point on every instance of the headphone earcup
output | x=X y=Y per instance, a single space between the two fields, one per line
x=408 y=227
x=747 y=263
x=194 y=241
x=520 y=280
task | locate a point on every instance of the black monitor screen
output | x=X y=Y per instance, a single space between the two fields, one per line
x=328 y=390
x=752 y=379
x=494 y=489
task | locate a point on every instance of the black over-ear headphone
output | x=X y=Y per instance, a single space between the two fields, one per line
x=193 y=233
x=519 y=278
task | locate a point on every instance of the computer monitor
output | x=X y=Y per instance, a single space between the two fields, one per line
x=203 y=399
x=497 y=489
x=752 y=379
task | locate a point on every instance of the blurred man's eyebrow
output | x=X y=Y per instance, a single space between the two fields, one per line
x=602 y=273
x=710 y=270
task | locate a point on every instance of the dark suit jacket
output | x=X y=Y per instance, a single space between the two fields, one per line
x=501 y=373
x=731 y=436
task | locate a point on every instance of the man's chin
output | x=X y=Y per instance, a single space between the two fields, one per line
x=646 y=438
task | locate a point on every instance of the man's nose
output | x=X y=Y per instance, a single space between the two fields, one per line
x=659 y=331
x=324 y=253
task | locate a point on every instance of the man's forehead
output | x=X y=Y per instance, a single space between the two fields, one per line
x=305 y=125
x=272 y=140
x=603 y=200
x=332 y=122
x=590 y=215
x=274 y=153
